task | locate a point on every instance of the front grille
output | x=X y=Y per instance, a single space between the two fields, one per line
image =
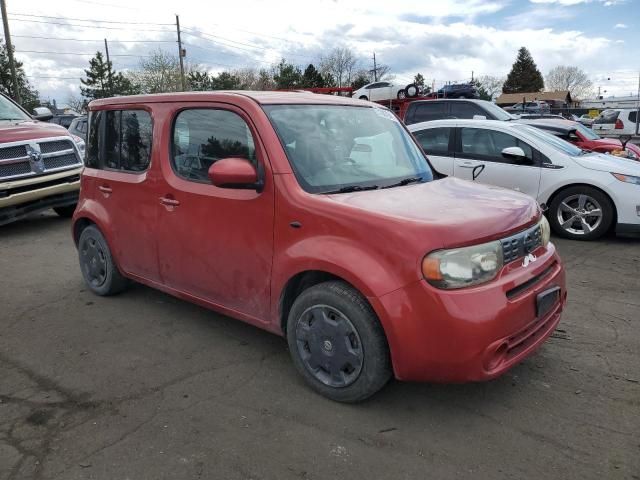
x=521 y=244
x=59 y=162
x=57 y=146
x=15 y=169
x=13 y=152
x=47 y=155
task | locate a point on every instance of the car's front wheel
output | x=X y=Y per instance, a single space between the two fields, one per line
x=402 y=94
x=363 y=97
x=581 y=213
x=337 y=343
x=98 y=268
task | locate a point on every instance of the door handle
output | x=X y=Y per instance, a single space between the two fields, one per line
x=106 y=190
x=469 y=164
x=169 y=202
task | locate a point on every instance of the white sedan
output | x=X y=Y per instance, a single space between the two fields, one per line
x=584 y=193
x=379 y=91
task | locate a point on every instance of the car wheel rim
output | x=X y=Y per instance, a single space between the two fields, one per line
x=401 y=95
x=94 y=263
x=329 y=346
x=579 y=214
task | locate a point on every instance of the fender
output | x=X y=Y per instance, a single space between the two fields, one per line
x=91 y=210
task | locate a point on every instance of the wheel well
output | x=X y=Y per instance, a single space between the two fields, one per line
x=613 y=205
x=298 y=284
x=79 y=226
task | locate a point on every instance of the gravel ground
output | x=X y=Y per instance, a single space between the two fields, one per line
x=145 y=386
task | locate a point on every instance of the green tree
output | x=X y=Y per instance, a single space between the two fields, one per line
x=419 y=80
x=226 y=81
x=361 y=79
x=103 y=81
x=28 y=95
x=287 y=76
x=524 y=75
x=199 y=81
x=312 y=78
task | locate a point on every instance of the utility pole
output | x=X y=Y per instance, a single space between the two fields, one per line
x=471 y=76
x=181 y=53
x=7 y=39
x=106 y=48
x=638 y=107
x=375 y=68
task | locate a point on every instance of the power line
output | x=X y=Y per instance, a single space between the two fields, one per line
x=86 y=26
x=77 y=53
x=92 y=40
x=89 y=20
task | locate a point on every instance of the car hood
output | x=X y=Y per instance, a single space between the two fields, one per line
x=12 y=131
x=609 y=163
x=451 y=211
x=615 y=143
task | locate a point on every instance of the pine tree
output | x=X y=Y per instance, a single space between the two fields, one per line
x=102 y=81
x=524 y=76
x=312 y=78
x=28 y=95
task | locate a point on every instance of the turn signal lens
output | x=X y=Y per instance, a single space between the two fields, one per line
x=626 y=178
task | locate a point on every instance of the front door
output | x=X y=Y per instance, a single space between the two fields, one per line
x=215 y=243
x=479 y=158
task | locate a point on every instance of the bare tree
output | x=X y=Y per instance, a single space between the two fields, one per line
x=341 y=64
x=158 y=73
x=491 y=86
x=77 y=103
x=573 y=79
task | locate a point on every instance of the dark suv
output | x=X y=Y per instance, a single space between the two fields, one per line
x=460 y=90
x=425 y=110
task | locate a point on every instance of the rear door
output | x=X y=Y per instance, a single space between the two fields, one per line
x=479 y=158
x=605 y=123
x=438 y=144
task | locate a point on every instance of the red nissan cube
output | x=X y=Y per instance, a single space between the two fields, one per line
x=320 y=219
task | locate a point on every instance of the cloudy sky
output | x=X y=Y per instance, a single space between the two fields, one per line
x=445 y=40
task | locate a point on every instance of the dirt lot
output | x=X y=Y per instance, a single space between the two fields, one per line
x=144 y=386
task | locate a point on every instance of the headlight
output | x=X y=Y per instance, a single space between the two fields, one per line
x=626 y=178
x=545 y=231
x=631 y=154
x=463 y=267
x=79 y=143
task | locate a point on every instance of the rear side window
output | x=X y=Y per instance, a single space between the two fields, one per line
x=608 y=116
x=434 y=140
x=127 y=140
x=92 y=159
x=465 y=110
x=429 y=111
x=201 y=137
x=633 y=116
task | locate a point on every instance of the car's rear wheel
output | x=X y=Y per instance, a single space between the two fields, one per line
x=337 y=343
x=363 y=97
x=581 y=213
x=402 y=94
x=65 y=212
x=98 y=268
x=412 y=90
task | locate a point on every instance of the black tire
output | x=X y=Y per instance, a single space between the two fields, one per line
x=581 y=208
x=412 y=90
x=402 y=94
x=361 y=348
x=362 y=97
x=65 y=212
x=96 y=263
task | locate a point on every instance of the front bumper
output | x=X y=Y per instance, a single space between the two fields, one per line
x=475 y=333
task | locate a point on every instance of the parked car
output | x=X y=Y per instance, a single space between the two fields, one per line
x=619 y=121
x=535 y=107
x=380 y=91
x=585 y=138
x=63 y=119
x=459 y=90
x=585 y=119
x=585 y=194
x=426 y=110
x=279 y=209
x=78 y=127
x=40 y=164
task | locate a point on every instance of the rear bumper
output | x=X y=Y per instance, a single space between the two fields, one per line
x=476 y=333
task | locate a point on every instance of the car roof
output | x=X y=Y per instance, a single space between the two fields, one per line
x=462 y=123
x=474 y=100
x=560 y=125
x=260 y=97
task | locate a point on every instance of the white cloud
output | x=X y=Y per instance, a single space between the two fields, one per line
x=620 y=25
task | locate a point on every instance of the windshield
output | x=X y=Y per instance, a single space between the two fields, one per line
x=587 y=132
x=9 y=111
x=335 y=148
x=551 y=140
x=497 y=112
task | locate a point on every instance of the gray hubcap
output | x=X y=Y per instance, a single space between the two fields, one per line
x=579 y=214
x=329 y=346
x=94 y=263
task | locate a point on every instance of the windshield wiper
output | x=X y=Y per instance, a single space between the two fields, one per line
x=353 y=188
x=403 y=182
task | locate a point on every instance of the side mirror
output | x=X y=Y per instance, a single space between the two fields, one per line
x=514 y=153
x=234 y=173
x=624 y=139
x=42 y=113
